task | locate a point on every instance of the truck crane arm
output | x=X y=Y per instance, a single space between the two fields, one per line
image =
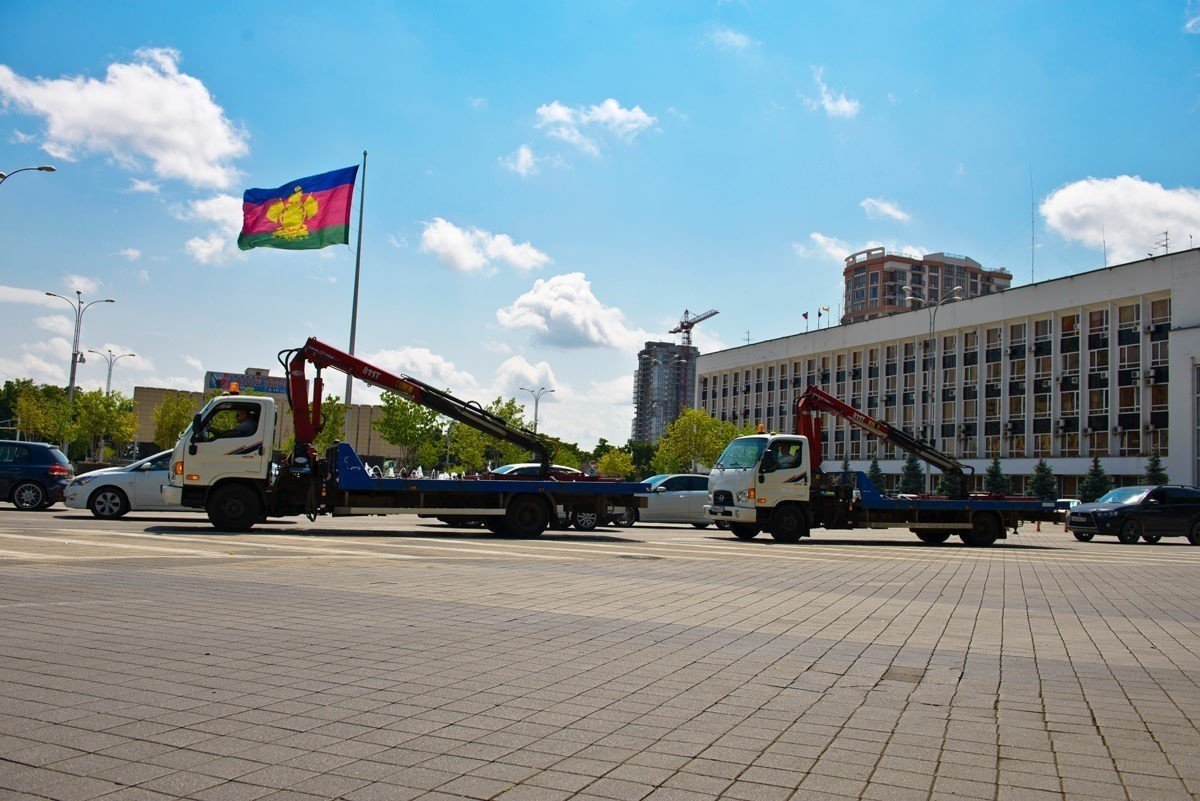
x=815 y=400
x=307 y=417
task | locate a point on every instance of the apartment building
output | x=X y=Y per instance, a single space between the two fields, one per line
x=663 y=386
x=1102 y=363
x=875 y=281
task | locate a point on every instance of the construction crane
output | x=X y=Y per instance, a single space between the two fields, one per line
x=688 y=322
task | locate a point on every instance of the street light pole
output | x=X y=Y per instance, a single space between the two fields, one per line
x=112 y=359
x=79 y=307
x=4 y=176
x=537 y=397
x=932 y=308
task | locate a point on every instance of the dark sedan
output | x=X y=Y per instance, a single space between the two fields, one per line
x=1145 y=513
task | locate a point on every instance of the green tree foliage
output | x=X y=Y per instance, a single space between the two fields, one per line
x=643 y=457
x=333 y=423
x=415 y=429
x=9 y=393
x=994 y=480
x=693 y=439
x=45 y=414
x=1044 y=484
x=1095 y=482
x=615 y=463
x=950 y=485
x=846 y=476
x=1154 y=471
x=875 y=473
x=474 y=450
x=602 y=447
x=171 y=416
x=912 y=477
x=101 y=418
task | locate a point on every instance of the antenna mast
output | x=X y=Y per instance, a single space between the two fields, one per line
x=1032 y=227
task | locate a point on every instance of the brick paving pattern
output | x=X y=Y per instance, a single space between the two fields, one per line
x=393 y=661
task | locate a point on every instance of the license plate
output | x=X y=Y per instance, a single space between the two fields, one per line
x=717 y=510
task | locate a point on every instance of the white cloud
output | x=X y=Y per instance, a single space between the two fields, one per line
x=1127 y=212
x=138 y=185
x=427 y=366
x=143 y=276
x=81 y=283
x=1192 y=25
x=729 y=39
x=219 y=245
x=562 y=311
x=194 y=363
x=478 y=102
x=471 y=250
x=21 y=138
x=36 y=297
x=521 y=161
x=133 y=254
x=516 y=372
x=833 y=105
x=834 y=249
x=56 y=324
x=492 y=346
x=143 y=110
x=399 y=242
x=566 y=123
x=879 y=209
x=27 y=364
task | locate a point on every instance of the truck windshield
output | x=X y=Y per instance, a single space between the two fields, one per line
x=742 y=453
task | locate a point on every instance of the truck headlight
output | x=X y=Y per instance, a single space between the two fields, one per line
x=745 y=495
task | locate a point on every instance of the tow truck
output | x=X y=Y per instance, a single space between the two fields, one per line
x=774 y=483
x=239 y=477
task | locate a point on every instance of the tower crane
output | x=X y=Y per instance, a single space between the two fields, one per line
x=689 y=321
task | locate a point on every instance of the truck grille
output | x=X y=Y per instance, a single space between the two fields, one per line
x=723 y=498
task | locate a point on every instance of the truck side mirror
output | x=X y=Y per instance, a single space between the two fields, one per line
x=195 y=426
x=770 y=463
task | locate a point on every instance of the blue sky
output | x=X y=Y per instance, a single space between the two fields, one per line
x=549 y=185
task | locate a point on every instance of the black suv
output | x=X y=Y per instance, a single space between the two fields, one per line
x=33 y=475
x=1146 y=513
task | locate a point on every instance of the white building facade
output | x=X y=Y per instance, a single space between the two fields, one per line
x=1103 y=363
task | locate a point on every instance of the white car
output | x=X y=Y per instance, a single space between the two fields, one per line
x=111 y=492
x=673 y=498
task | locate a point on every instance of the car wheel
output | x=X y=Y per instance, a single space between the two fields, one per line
x=1151 y=538
x=627 y=518
x=585 y=521
x=699 y=525
x=1194 y=534
x=1131 y=532
x=108 y=503
x=29 y=496
x=744 y=531
x=1082 y=536
x=723 y=525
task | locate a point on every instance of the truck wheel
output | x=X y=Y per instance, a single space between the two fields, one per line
x=527 y=516
x=1130 y=533
x=234 y=507
x=496 y=526
x=985 y=530
x=1193 y=535
x=788 y=524
x=585 y=521
x=744 y=531
x=108 y=503
x=932 y=537
x=723 y=525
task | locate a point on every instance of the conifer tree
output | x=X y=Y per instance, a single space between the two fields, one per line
x=950 y=485
x=1095 y=482
x=1154 y=471
x=912 y=478
x=846 y=479
x=994 y=480
x=875 y=473
x=1045 y=483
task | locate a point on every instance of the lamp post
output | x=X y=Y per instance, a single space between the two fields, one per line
x=112 y=359
x=4 y=176
x=932 y=307
x=537 y=397
x=79 y=308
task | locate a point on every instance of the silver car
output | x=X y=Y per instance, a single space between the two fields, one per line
x=113 y=491
x=673 y=498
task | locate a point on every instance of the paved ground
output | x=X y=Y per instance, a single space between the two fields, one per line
x=392 y=659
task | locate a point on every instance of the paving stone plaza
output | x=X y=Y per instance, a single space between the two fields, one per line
x=391 y=659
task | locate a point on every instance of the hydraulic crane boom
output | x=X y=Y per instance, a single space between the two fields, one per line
x=815 y=400
x=307 y=417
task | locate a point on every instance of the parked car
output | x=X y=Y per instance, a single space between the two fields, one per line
x=533 y=469
x=115 y=491
x=1146 y=513
x=33 y=475
x=673 y=498
x=583 y=521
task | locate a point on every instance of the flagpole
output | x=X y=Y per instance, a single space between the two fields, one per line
x=362 y=192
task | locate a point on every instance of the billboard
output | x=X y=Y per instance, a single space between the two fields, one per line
x=271 y=385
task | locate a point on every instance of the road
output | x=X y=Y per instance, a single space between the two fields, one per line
x=393 y=658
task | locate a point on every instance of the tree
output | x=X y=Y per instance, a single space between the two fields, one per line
x=692 y=440
x=9 y=393
x=912 y=477
x=643 y=456
x=1154 y=471
x=994 y=480
x=101 y=417
x=846 y=470
x=410 y=426
x=1044 y=484
x=602 y=447
x=333 y=424
x=45 y=414
x=474 y=450
x=1095 y=482
x=950 y=485
x=615 y=463
x=171 y=416
x=875 y=473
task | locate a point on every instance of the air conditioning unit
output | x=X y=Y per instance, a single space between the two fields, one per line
x=1149 y=426
x=1150 y=377
x=1149 y=328
x=1060 y=425
x=962 y=432
x=1136 y=375
x=1058 y=379
x=1118 y=430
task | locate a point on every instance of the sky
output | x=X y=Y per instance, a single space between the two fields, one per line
x=550 y=185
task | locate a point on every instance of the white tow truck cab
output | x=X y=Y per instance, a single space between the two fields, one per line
x=758 y=482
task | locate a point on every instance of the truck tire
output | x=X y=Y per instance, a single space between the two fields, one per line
x=789 y=523
x=932 y=537
x=495 y=525
x=985 y=530
x=234 y=507
x=526 y=516
x=744 y=531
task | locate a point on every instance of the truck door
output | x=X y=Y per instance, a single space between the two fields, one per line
x=232 y=441
x=783 y=473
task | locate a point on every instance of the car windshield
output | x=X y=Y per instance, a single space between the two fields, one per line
x=656 y=479
x=1125 y=495
x=742 y=453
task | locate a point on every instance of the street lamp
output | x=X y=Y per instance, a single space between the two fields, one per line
x=4 y=176
x=76 y=357
x=537 y=397
x=932 y=307
x=111 y=358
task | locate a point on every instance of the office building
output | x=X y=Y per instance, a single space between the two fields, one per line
x=663 y=386
x=874 y=281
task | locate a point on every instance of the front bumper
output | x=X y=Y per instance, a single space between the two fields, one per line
x=171 y=495
x=1088 y=523
x=731 y=514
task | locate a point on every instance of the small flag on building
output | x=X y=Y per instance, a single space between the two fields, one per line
x=303 y=214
